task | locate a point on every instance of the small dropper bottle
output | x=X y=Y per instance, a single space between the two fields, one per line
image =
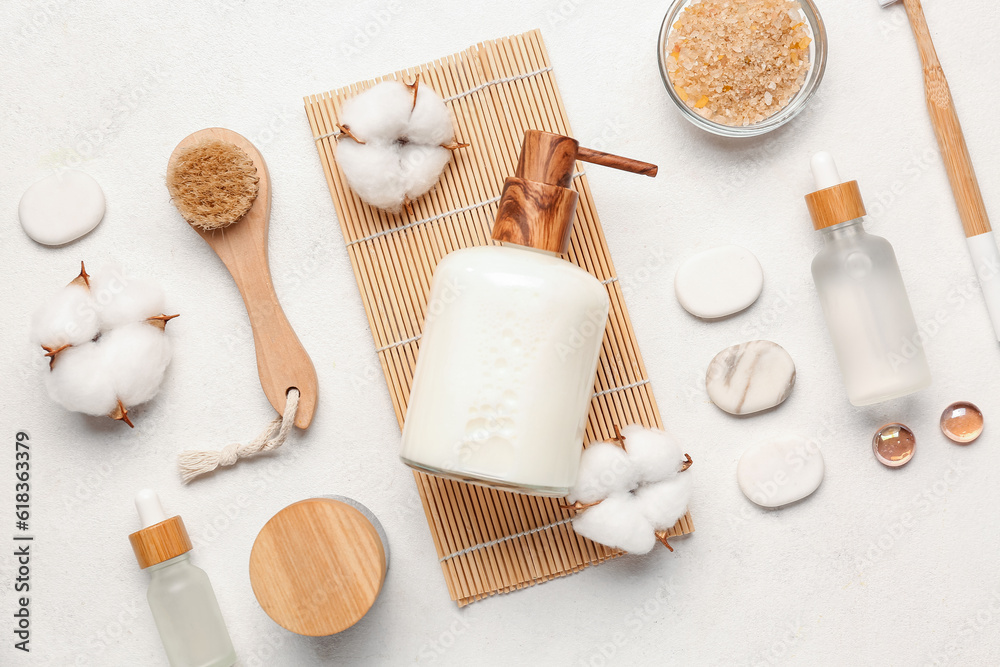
x=878 y=345
x=180 y=595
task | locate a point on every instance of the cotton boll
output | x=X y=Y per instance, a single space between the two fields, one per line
x=79 y=381
x=422 y=167
x=605 y=469
x=124 y=299
x=380 y=113
x=664 y=503
x=656 y=454
x=393 y=152
x=373 y=173
x=69 y=318
x=136 y=357
x=617 y=522
x=430 y=121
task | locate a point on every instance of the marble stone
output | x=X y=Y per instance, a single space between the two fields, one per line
x=719 y=282
x=61 y=208
x=750 y=377
x=780 y=470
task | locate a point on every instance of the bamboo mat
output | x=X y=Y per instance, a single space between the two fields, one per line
x=488 y=541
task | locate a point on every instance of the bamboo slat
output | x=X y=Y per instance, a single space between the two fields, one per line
x=488 y=541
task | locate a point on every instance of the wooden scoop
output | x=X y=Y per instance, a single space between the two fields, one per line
x=282 y=362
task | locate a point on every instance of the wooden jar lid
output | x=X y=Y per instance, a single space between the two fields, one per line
x=159 y=542
x=318 y=565
x=832 y=206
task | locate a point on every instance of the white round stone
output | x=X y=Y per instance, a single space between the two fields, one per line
x=61 y=208
x=781 y=470
x=719 y=282
x=750 y=377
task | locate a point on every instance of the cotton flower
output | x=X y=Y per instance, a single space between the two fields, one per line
x=395 y=142
x=631 y=494
x=104 y=337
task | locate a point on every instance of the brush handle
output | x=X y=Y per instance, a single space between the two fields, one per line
x=950 y=138
x=282 y=361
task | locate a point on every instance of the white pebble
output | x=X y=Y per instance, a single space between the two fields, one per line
x=719 y=282
x=751 y=377
x=61 y=208
x=780 y=470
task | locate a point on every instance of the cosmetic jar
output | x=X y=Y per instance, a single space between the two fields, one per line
x=817 y=60
x=318 y=565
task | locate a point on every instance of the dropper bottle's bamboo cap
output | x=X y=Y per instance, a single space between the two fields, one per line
x=161 y=538
x=834 y=202
x=537 y=205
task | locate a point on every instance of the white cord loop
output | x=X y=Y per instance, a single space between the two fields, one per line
x=194 y=463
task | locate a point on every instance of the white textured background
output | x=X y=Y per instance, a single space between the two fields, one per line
x=878 y=567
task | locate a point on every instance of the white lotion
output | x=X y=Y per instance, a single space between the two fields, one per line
x=510 y=346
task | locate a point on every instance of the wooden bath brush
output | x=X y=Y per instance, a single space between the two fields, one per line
x=219 y=183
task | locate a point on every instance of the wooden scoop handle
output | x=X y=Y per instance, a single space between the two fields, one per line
x=950 y=138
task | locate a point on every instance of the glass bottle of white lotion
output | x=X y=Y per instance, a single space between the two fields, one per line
x=184 y=606
x=875 y=336
x=512 y=337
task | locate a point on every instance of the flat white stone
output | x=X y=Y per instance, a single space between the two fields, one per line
x=750 y=377
x=61 y=208
x=719 y=282
x=780 y=470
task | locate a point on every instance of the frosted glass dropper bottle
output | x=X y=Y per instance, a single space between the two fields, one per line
x=180 y=595
x=867 y=310
x=512 y=338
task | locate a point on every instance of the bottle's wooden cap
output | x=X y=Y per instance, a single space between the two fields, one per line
x=159 y=542
x=832 y=206
x=537 y=205
x=318 y=565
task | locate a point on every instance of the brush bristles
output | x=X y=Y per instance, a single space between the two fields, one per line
x=212 y=184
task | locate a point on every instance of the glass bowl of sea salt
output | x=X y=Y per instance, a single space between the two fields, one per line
x=742 y=68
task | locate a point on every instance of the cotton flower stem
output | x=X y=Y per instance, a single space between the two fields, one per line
x=661 y=537
x=160 y=321
x=414 y=87
x=619 y=438
x=120 y=413
x=83 y=279
x=53 y=352
x=579 y=507
x=687 y=463
x=345 y=131
x=454 y=146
